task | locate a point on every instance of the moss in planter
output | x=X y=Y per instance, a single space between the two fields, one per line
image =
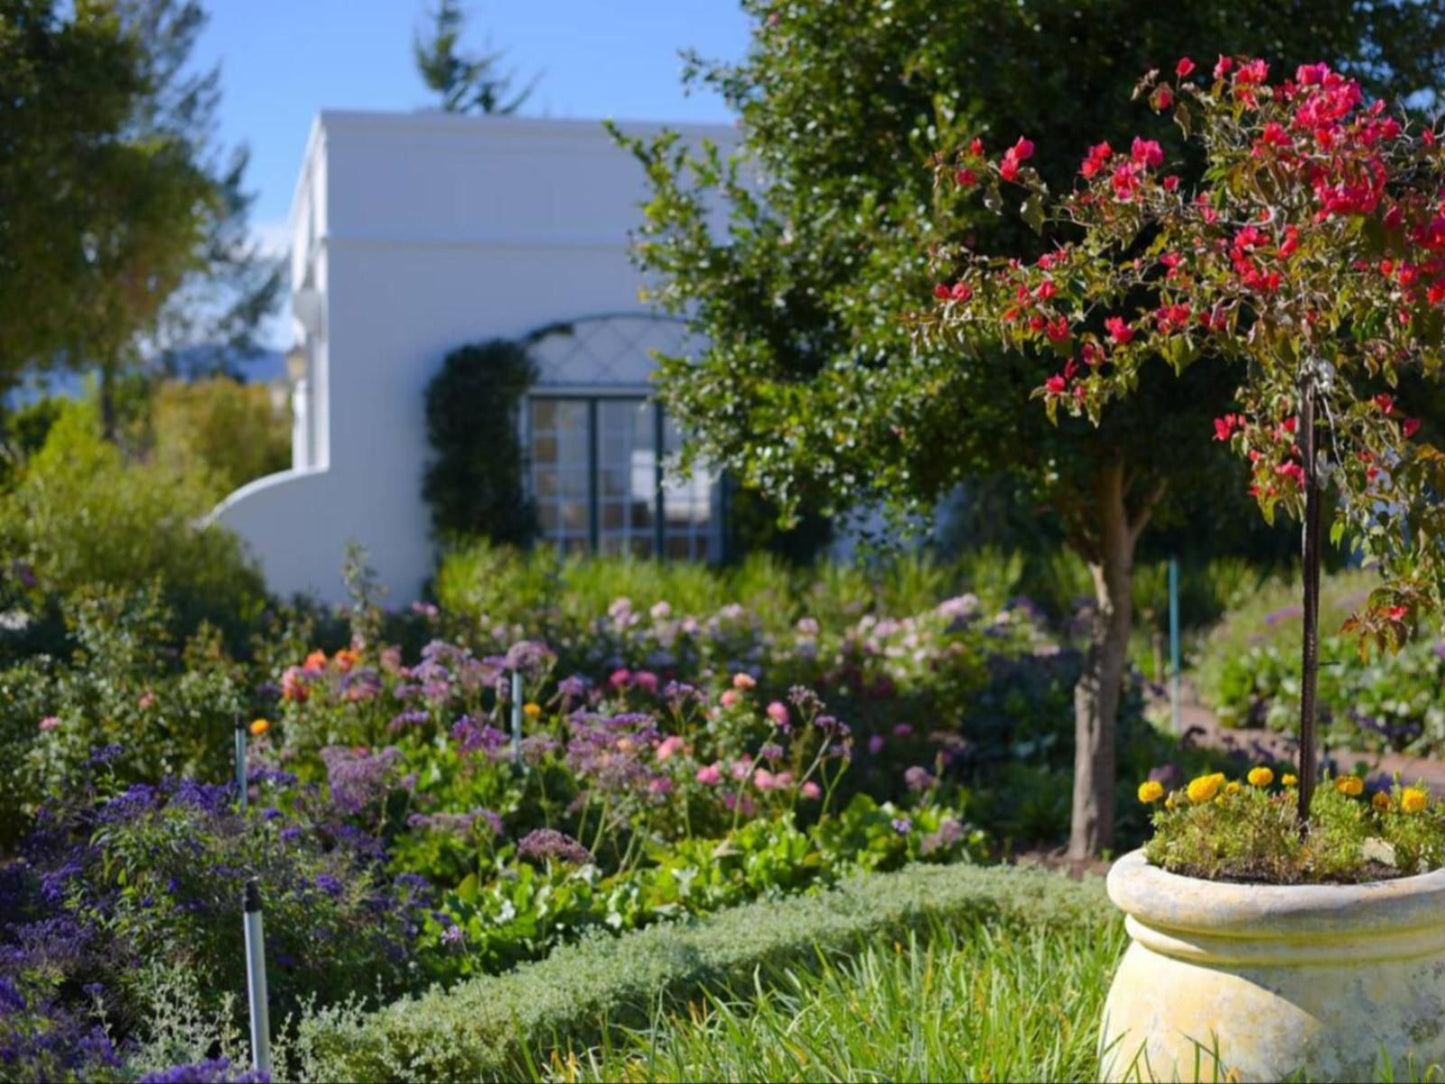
x=1248 y=831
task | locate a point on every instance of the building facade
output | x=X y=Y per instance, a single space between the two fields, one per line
x=413 y=234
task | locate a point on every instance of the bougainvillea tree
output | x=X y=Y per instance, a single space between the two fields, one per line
x=1311 y=259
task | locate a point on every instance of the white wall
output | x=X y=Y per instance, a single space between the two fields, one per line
x=431 y=231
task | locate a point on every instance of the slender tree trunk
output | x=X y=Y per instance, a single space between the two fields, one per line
x=1096 y=697
x=109 y=423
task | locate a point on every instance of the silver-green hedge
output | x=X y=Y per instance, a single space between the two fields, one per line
x=481 y=1029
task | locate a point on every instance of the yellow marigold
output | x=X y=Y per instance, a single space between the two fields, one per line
x=1261 y=776
x=1205 y=787
x=1170 y=804
x=1381 y=800
x=1414 y=799
x=1234 y=786
x=1289 y=779
x=259 y=727
x=1151 y=791
x=1351 y=786
x=531 y=709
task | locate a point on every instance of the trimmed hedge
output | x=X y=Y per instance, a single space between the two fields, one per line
x=484 y=1028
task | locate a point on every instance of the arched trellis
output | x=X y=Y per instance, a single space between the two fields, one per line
x=590 y=370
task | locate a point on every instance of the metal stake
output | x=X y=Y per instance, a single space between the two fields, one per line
x=256 y=981
x=1310 y=561
x=1174 y=642
x=517 y=718
x=241 y=761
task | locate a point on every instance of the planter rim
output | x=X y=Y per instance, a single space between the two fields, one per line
x=1170 y=903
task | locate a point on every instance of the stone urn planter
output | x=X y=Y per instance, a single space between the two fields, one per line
x=1277 y=979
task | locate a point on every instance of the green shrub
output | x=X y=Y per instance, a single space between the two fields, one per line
x=482 y=1029
x=82 y=516
x=474 y=485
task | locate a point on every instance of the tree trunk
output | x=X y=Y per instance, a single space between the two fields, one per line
x=109 y=422
x=1096 y=697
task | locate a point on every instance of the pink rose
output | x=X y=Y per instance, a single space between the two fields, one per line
x=645 y=680
x=744 y=681
x=147 y=699
x=728 y=698
x=50 y=722
x=811 y=791
x=620 y=679
x=669 y=747
x=764 y=780
x=709 y=775
x=778 y=713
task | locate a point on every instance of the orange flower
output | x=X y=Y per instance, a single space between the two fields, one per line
x=315 y=661
x=345 y=659
x=1381 y=801
x=1351 y=786
x=259 y=727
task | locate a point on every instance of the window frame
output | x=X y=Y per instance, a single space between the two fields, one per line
x=592 y=396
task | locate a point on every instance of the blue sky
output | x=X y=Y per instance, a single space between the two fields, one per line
x=283 y=60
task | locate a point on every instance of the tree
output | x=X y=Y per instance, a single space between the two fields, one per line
x=66 y=87
x=123 y=235
x=810 y=388
x=1311 y=261
x=466 y=83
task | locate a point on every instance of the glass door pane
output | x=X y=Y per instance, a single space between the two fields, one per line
x=626 y=476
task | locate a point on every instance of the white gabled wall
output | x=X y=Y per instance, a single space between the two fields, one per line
x=422 y=232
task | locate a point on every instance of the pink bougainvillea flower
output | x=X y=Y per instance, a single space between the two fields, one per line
x=50 y=722
x=1184 y=68
x=1410 y=427
x=962 y=291
x=1118 y=330
x=1222 y=68
x=1146 y=152
x=966 y=178
x=1398 y=613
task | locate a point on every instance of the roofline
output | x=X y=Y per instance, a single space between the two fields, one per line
x=459 y=122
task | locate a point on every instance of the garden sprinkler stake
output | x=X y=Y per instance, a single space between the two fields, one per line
x=256 y=981
x=241 y=761
x=517 y=719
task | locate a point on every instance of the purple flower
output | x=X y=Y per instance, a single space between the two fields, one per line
x=902 y=825
x=405 y=719
x=917 y=778
x=329 y=884
x=357 y=778
x=211 y=1071
x=548 y=844
x=949 y=832
x=876 y=744
x=471 y=737
x=531 y=657
x=573 y=688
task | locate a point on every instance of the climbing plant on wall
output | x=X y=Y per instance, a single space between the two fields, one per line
x=474 y=484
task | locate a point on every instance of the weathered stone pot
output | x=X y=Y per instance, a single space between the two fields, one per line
x=1277 y=979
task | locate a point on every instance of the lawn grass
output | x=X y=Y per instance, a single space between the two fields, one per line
x=984 y=1000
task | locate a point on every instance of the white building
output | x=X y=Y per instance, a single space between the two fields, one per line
x=413 y=234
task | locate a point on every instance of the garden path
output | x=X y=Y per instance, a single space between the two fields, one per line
x=1199 y=725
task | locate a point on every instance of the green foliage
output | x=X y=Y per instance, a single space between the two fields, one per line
x=124 y=222
x=1250 y=832
x=219 y=430
x=82 y=516
x=486 y=1028
x=465 y=83
x=980 y=1001
x=473 y=406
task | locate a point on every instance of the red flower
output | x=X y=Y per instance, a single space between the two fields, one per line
x=1036 y=322
x=1163 y=98
x=1221 y=69
x=1058 y=329
x=1386 y=402
x=1436 y=293
x=1410 y=427
x=1398 y=613
x=1021 y=151
x=1225 y=427
x=966 y=178
x=1119 y=331
x=1009 y=170
x=976 y=147
x=962 y=291
x=1097 y=158
x=1184 y=68
x=1290 y=469
x=1147 y=152
x=1056 y=384
x=941 y=292
x=1046 y=290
